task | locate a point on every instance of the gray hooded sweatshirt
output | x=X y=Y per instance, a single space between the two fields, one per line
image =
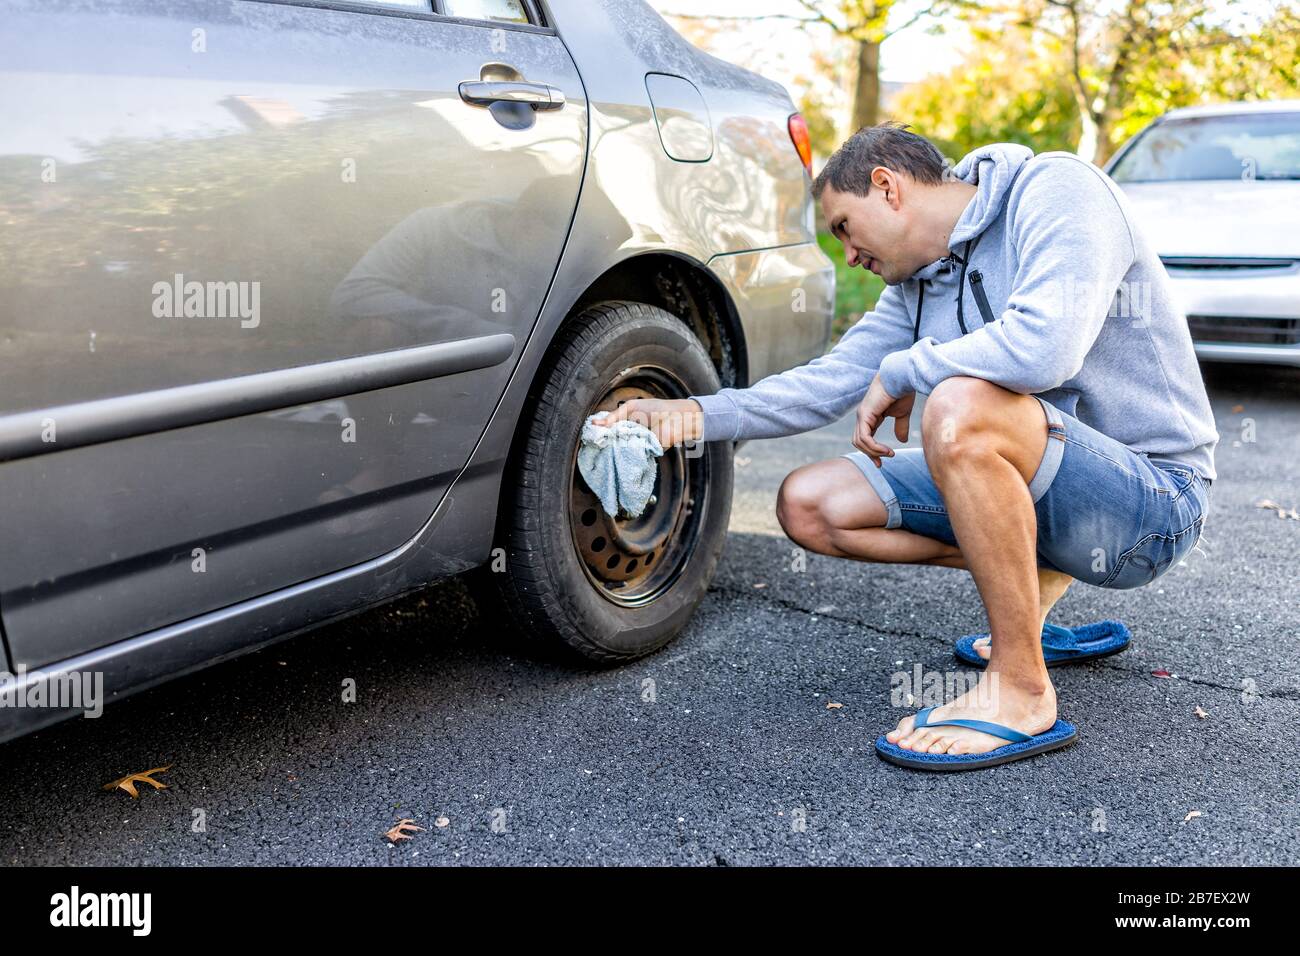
x=1063 y=297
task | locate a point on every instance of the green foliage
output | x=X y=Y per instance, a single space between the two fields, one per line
x=1012 y=88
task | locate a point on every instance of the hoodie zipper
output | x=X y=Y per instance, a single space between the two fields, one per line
x=920 y=301
x=961 y=289
x=977 y=287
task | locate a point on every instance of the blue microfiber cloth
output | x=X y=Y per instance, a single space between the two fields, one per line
x=618 y=464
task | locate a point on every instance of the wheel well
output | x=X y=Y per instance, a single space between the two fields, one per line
x=687 y=290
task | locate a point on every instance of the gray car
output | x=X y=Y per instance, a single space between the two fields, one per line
x=303 y=305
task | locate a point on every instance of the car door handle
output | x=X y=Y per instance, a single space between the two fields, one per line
x=540 y=96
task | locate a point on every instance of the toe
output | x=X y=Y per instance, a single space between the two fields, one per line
x=984 y=647
x=907 y=739
x=940 y=746
x=918 y=740
x=902 y=730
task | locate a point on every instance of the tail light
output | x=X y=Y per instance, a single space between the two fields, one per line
x=802 y=143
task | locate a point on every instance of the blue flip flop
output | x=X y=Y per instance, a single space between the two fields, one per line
x=1062 y=645
x=1060 y=734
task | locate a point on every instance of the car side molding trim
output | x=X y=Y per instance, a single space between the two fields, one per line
x=49 y=430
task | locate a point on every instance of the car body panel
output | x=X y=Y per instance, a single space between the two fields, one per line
x=787 y=298
x=751 y=194
x=1247 y=219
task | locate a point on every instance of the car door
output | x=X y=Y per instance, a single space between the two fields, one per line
x=265 y=270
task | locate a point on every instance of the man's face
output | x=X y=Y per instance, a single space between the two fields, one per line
x=874 y=228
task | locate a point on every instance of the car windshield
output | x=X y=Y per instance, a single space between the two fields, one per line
x=1244 y=146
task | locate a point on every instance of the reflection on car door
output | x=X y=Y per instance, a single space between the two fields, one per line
x=265 y=275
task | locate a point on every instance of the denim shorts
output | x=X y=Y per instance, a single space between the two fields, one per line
x=1107 y=515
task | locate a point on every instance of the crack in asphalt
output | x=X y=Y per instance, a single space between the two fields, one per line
x=1291 y=694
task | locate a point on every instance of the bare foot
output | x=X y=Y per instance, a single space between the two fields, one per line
x=1030 y=710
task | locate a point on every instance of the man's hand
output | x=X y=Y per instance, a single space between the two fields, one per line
x=877 y=405
x=672 y=420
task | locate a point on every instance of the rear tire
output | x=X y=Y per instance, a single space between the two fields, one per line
x=612 y=591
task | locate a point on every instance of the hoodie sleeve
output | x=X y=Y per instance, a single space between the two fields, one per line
x=818 y=392
x=1073 y=248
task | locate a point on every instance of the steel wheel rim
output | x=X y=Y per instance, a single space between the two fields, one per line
x=634 y=561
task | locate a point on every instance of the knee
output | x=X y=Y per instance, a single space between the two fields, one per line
x=800 y=509
x=958 y=419
x=960 y=402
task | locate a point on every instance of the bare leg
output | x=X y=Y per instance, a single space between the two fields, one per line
x=983 y=445
x=1052 y=586
x=828 y=507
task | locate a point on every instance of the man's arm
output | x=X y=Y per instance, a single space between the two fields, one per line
x=816 y=393
x=1071 y=235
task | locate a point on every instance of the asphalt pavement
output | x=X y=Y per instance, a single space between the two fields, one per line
x=722 y=749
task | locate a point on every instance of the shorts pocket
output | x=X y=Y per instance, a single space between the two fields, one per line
x=1151 y=557
x=1181 y=479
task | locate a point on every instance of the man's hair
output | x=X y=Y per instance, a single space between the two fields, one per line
x=886 y=144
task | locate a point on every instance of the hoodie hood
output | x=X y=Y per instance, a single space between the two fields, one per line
x=990 y=169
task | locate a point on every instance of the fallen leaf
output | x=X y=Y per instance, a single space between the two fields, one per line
x=1194 y=813
x=831 y=705
x=128 y=782
x=1161 y=674
x=398 y=832
x=1201 y=713
x=442 y=822
x=1282 y=510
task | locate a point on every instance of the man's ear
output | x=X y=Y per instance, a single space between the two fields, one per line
x=888 y=183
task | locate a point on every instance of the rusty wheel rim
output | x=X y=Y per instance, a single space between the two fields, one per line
x=633 y=561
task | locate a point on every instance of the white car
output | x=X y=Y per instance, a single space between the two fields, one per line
x=1217 y=188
